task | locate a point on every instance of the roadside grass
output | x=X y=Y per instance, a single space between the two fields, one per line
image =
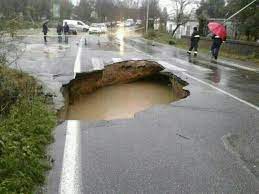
x=26 y=123
x=166 y=38
x=161 y=37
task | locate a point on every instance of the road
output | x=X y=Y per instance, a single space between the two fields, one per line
x=176 y=148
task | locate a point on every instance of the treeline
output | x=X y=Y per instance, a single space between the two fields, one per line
x=29 y=9
x=112 y=10
x=245 y=24
x=87 y=10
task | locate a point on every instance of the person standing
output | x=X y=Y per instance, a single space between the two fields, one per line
x=45 y=30
x=66 y=32
x=216 y=43
x=194 y=41
x=59 y=32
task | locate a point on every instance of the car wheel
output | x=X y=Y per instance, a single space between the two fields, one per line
x=85 y=30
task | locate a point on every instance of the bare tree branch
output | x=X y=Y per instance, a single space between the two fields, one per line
x=181 y=14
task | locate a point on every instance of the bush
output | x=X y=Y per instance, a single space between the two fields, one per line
x=159 y=36
x=15 y=84
x=151 y=34
x=26 y=124
x=172 y=42
x=24 y=137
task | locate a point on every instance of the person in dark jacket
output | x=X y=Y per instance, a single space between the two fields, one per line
x=216 y=43
x=194 y=41
x=59 y=32
x=45 y=30
x=66 y=32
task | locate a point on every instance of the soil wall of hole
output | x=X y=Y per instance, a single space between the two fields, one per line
x=120 y=73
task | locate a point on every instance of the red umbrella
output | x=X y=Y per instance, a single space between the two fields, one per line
x=218 y=29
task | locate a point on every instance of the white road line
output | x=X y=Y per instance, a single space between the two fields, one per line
x=170 y=66
x=222 y=91
x=117 y=60
x=227 y=68
x=77 y=65
x=97 y=64
x=71 y=182
x=137 y=50
x=183 y=62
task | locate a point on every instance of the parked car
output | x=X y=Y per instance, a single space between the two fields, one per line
x=98 y=28
x=79 y=25
x=129 y=22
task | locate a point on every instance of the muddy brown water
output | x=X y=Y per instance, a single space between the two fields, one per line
x=120 y=101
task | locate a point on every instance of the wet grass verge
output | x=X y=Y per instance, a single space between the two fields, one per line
x=26 y=123
x=126 y=72
x=166 y=38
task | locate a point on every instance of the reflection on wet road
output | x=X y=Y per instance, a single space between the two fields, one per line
x=241 y=83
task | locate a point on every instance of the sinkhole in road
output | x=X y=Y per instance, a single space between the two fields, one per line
x=120 y=90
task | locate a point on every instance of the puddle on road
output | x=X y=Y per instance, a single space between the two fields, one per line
x=120 y=101
x=119 y=91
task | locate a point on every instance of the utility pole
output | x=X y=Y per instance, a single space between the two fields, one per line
x=147 y=17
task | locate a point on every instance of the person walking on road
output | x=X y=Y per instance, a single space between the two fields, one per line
x=66 y=32
x=216 y=43
x=194 y=42
x=59 y=32
x=45 y=30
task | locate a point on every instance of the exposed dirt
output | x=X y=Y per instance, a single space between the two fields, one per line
x=121 y=73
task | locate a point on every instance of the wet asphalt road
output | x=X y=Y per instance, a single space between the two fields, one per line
x=149 y=154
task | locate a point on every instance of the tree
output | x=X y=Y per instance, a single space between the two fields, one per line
x=84 y=9
x=181 y=15
x=154 y=11
x=209 y=9
x=104 y=9
x=164 y=18
x=247 y=20
x=127 y=3
x=66 y=8
x=35 y=9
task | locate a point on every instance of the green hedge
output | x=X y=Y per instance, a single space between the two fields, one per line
x=25 y=131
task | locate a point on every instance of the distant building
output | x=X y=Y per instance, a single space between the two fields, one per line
x=184 y=30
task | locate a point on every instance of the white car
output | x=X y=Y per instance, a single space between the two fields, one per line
x=129 y=22
x=79 y=25
x=98 y=28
